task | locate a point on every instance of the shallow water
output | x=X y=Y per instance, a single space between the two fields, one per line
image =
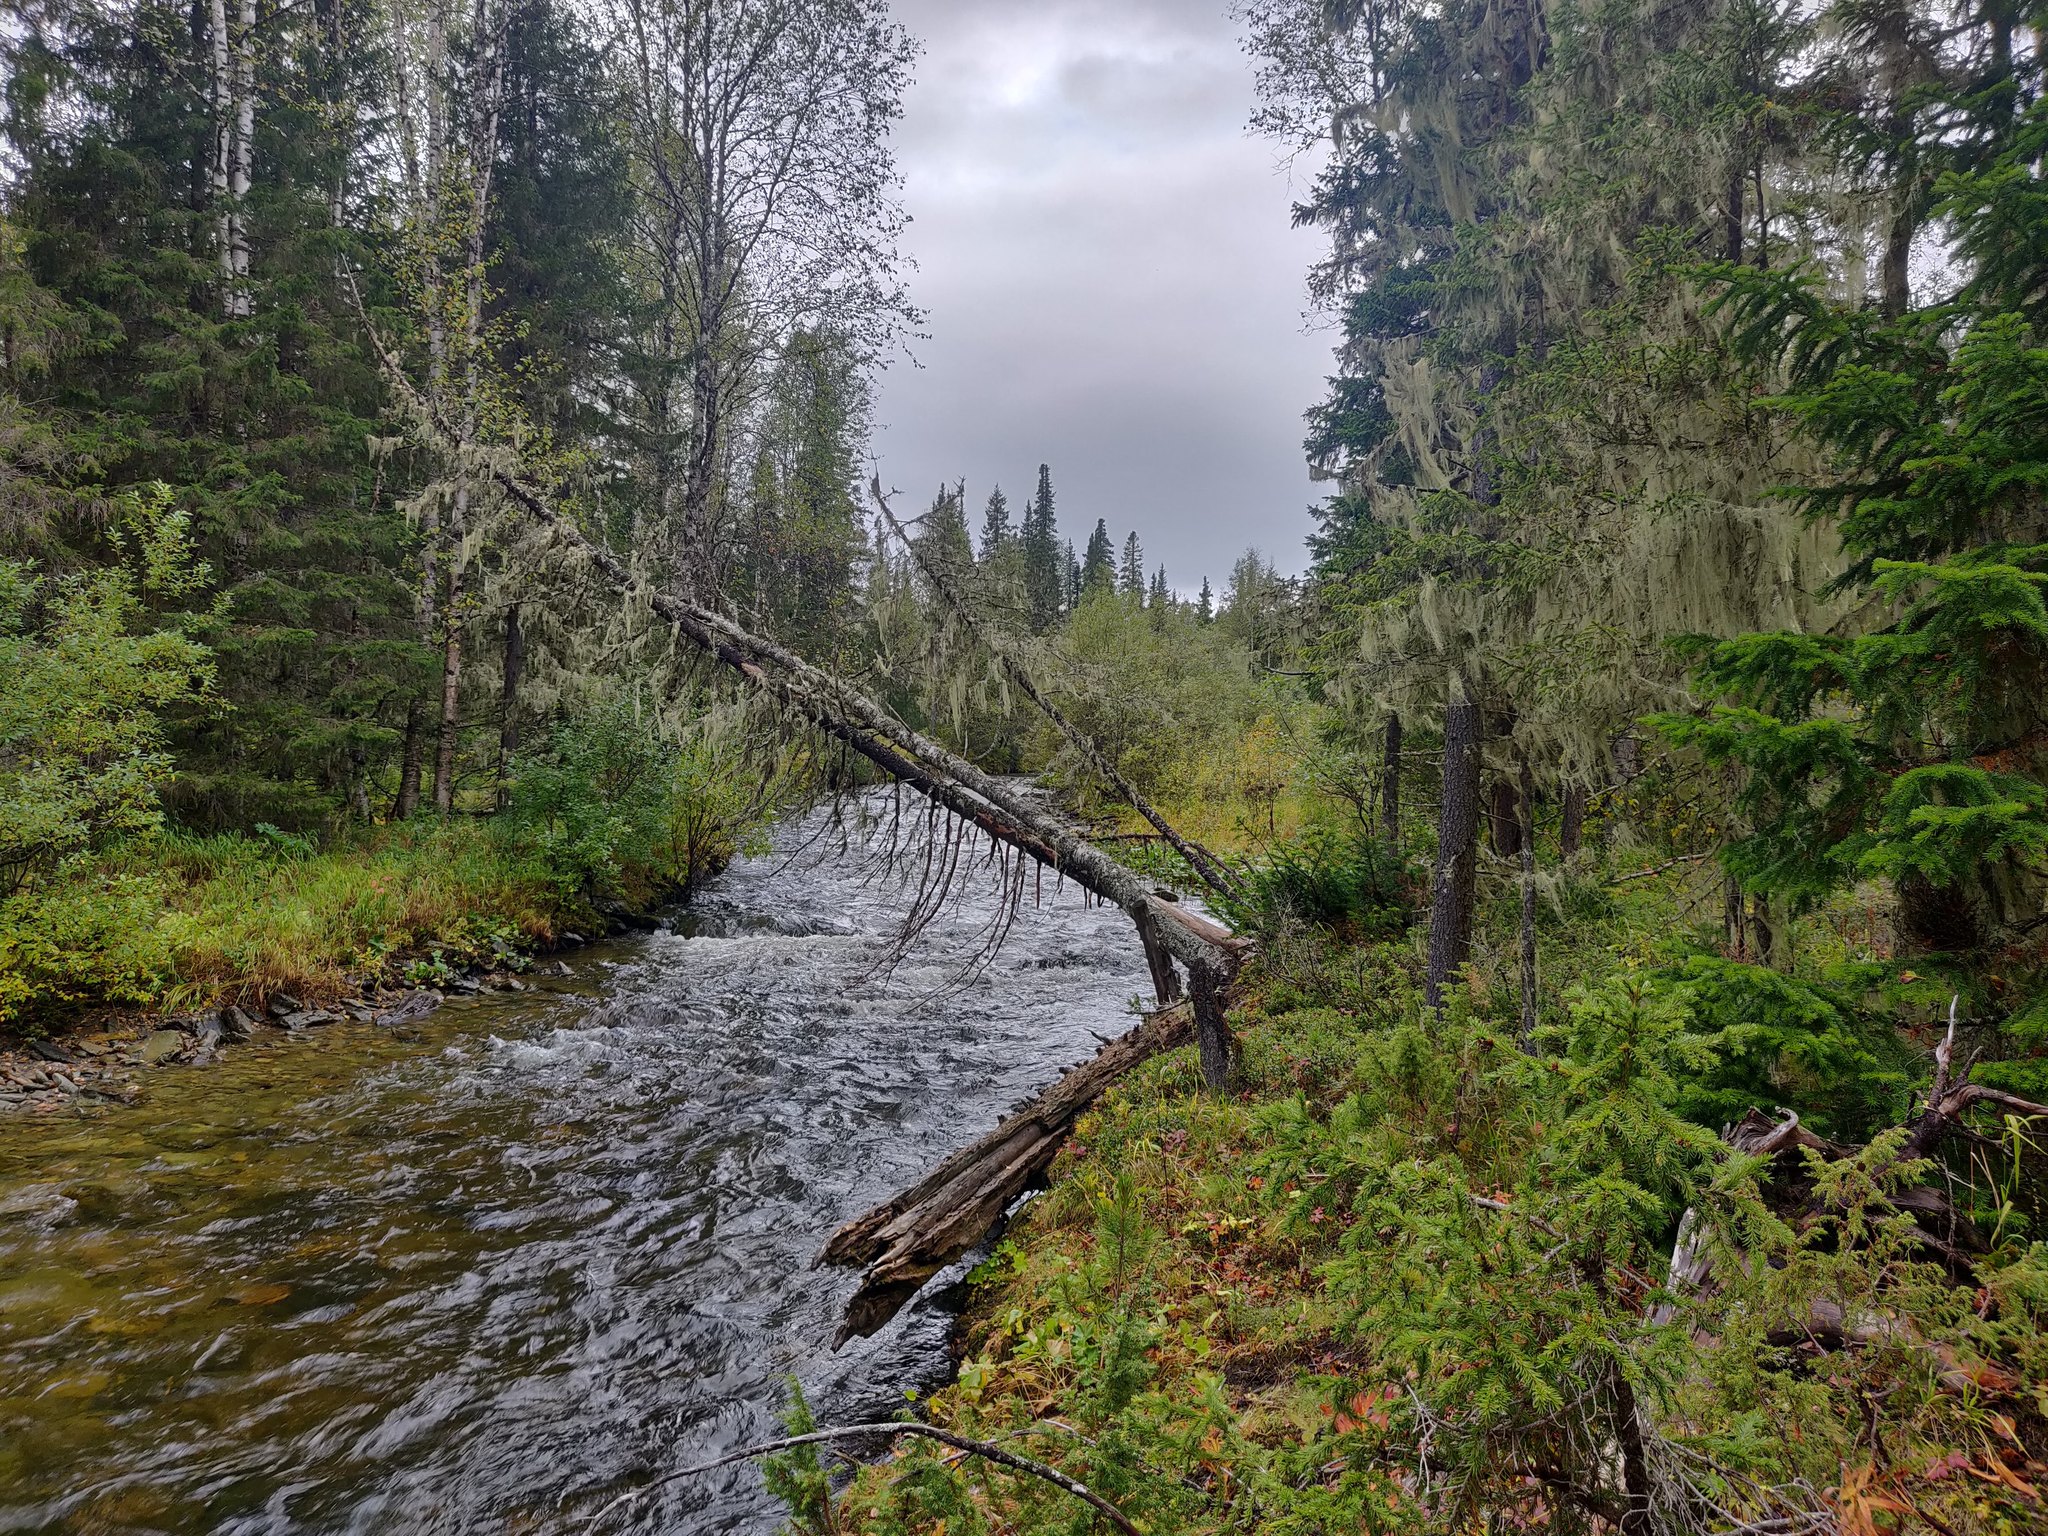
x=479 y=1273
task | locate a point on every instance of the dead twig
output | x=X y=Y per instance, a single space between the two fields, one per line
x=1644 y=874
x=981 y=1448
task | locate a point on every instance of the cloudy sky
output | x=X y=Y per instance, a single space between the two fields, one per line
x=1112 y=283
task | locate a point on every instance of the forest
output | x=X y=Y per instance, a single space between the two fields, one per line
x=437 y=519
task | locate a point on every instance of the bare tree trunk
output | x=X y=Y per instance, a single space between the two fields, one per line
x=221 y=90
x=1735 y=928
x=1504 y=818
x=1213 y=1037
x=409 y=759
x=1766 y=932
x=241 y=303
x=448 y=737
x=1457 y=850
x=508 y=716
x=1528 y=934
x=1571 y=824
x=1390 y=785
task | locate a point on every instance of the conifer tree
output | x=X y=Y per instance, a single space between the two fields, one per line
x=1044 y=560
x=1098 y=566
x=1130 y=575
x=996 y=532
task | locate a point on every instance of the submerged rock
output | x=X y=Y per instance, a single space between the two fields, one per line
x=160 y=1047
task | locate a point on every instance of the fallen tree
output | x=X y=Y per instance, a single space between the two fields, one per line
x=910 y=1237
x=1170 y=933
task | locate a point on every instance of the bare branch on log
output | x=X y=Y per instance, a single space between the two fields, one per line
x=1204 y=863
x=981 y=1448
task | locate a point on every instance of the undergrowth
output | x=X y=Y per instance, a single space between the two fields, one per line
x=1408 y=1277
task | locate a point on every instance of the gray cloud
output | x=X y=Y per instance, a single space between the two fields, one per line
x=1112 y=282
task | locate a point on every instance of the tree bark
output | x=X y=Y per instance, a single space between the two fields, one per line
x=1504 y=818
x=1457 y=850
x=1571 y=825
x=1528 y=924
x=241 y=302
x=1390 y=785
x=448 y=736
x=508 y=704
x=409 y=762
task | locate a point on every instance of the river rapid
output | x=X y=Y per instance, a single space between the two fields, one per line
x=477 y=1273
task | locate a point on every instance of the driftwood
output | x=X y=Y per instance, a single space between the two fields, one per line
x=911 y=1237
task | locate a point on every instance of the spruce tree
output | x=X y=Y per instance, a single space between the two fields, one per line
x=996 y=533
x=1045 y=563
x=1130 y=576
x=1098 y=566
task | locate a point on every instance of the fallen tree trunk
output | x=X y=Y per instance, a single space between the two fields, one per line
x=852 y=717
x=943 y=1216
x=907 y=1239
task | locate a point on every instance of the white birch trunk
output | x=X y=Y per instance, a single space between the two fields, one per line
x=241 y=176
x=222 y=92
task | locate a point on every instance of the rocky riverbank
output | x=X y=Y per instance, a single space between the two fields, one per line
x=103 y=1065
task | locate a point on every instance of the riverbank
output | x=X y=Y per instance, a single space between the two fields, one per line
x=206 y=938
x=1401 y=1279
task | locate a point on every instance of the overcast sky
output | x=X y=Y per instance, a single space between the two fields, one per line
x=1112 y=283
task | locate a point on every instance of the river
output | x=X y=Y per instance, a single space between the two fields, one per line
x=475 y=1273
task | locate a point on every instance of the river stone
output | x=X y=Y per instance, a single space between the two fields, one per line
x=306 y=1018
x=49 y=1052
x=209 y=1028
x=415 y=1005
x=282 y=1003
x=160 y=1046
x=235 y=1024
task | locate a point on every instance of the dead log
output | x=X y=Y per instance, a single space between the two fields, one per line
x=909 y=1238
x=840 y=710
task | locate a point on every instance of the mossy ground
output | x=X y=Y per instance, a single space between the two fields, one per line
x=1284 y=1310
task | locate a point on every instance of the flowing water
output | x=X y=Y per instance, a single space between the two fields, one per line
x=475 y=1274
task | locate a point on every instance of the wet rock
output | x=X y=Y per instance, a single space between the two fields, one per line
x=308 y=1018
x=358 y=1010
x=466 y=984
x=415 y=1005
x=235 y=1024
x=282 y=1003
x=209 y=1030
x=160 y=1047
x=572 y=938
x=559 y=968
x=49 y=1052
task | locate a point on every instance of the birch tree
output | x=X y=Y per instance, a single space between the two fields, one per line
x=758 y=136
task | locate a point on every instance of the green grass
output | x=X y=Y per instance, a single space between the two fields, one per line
x=176 y=921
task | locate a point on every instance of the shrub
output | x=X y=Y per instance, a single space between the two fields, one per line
x=1329 y=879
